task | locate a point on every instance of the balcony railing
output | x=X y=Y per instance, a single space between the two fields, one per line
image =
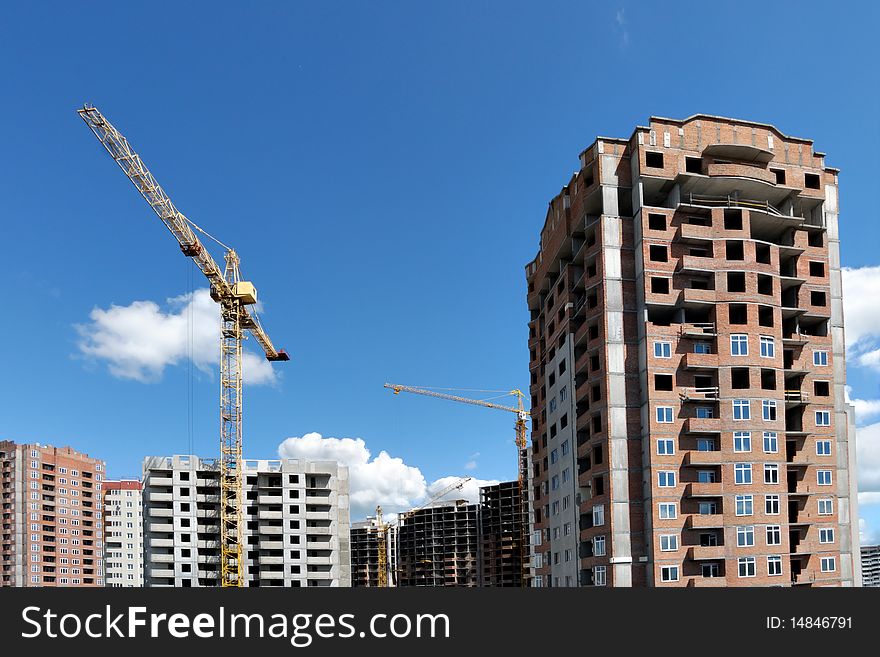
x=699 y=394
x=701 y=329
x=729 y=201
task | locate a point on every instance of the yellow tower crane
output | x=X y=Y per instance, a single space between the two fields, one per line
x=522 y=417
x=234 y=296
x=382 y=528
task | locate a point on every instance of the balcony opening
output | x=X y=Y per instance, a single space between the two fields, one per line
x=591 y=270
x=733 y=219
x=700 y=252
x=768 y=379
x=593 y=331
x=653 y=160
x=817 y=268
x=597 y=423
x=657 y=253
x=594 y=363
x=736 y=281
x=598 y=486
x=739 y=378
x=762 y=253
x=817 y=298
x=811 y=180
x=699 y=221
x=816 y=238
x=659 y=285
x=698 y=316
x=661 y=316
x=663 y=382
x=734 y=250
x=821 y=388
x=765 y=284
x=765 y=316
x=699 y=284
x=780 y=176
x=693 y=164
x=596 y=393
x=597 y=454
x=738 y=313
x=656 y=221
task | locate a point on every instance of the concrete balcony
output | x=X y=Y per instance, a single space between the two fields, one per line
x=270 y=515
x=271 y=574
x=320 y=531
x=161 y=542
x=703 y=489
x=161 y=513
x=161 y=572
x=706 y=552
x=208 y=558
x=207 y=513
x=160 y=481
x=208 y=545
x=320 y=561
x=270 y=499
x=161 y=497
x=703 y=425
x=696 y=297
x=709 y=393
x=699 y=458
x=705 y=521
x=271 y=561
x=694 y=233
x=208 y=499
x=162 y=558
x=700 y=264
x=271 y=530
x=796 y=398
x=318 y=515
x=706 y=582
x=268 y=544
x=695 y=361
x=734 y=170
x=159 y=528
x=700 y=330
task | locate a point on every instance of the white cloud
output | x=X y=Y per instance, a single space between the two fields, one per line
x=861 y=286
x=865 y=408
x=620 y=24
x=471 y=463
x=140 y=340
x=381 y=480
x=868 y=460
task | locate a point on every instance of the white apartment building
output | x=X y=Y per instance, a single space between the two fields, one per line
x=123 y=533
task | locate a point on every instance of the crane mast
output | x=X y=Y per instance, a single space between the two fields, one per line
x=234 y=296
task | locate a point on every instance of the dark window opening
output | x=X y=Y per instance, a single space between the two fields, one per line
x=654 y=160
x=734 y=250
x=762 y=253
x=768 y=379
x=811 y=180
x=596 y=393
x=663 y=382
x=700 y=221
x=736 y=281
x=780 y=176
x=816 y=239
x=765 y=284
x=821 y=388
x=693 y=164
x=699 y=284
x=593 y=331
x=817 y=268
x=657 y=221
x=597 y=454
x=594 y=362
x=700 y=253
x=657 y=253
x=739 y=378
x=765 y=316
x=733 y=219
x=738 y=313
x=597 y=423
x=598 y=486
x=817 y=298
x=659 y=285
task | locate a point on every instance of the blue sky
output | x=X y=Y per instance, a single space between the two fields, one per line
x=383 y=169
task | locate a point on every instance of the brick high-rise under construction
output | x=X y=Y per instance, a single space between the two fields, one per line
x=687 y=365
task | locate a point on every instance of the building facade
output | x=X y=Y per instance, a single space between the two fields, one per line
x=123 y=533
x=365 y=553
x=52 y=530
x=687 y=365
x=438 y=545
x=504 y=558
x=296 y=522
x=871 y=565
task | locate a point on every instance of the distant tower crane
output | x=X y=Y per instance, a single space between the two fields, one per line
x=382 y=527
x=234 y=296
x=522 y=416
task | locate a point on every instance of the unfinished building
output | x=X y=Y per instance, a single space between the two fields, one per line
x=503 y=540
x=296 y=522
x=365 y=543
x=438 y=545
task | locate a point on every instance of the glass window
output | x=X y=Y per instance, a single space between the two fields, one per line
x=823 y=418
x=745 y=536
x=554 y=456
x=668 y=511
x=774 y=565
x=704 y=412
x=742 y=441
x=599 y=546
x=664 y=414
x=768 y=407
x=829 y=564
x=826 y=507
x=662 y=350
x=598 y=515
x=669 y=573
x=774 y=535
x=823 y=477
x=820 y=358
x=739 y=344
x=746 y=566
x=666 y=479
x=702 y=347
x=826 y=535
x=771 y=442
x=744 y=505
x=823 y=447
x=668 y=542
x=665 y=446
x=741 y=409
x=771 y=473
x=768 y=347
x=599 y=576
x=742 y=473
x=565 y=447
x=771 y=505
